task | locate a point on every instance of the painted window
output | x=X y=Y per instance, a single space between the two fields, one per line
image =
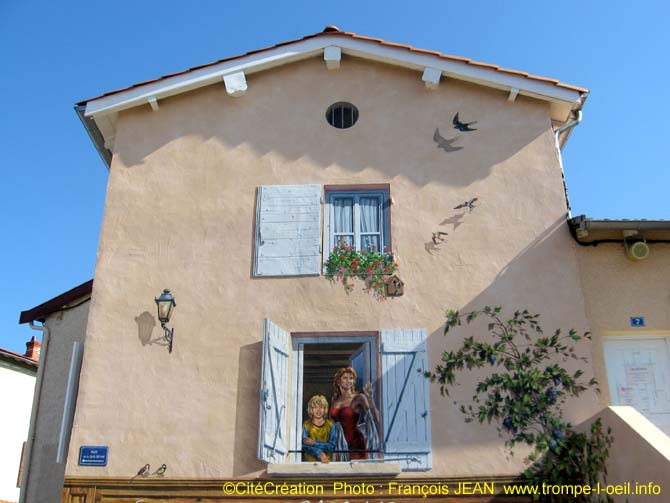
x=288 y=240
x=396 y=426
x=359 y=218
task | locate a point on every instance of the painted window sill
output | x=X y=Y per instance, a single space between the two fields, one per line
x=333 y=469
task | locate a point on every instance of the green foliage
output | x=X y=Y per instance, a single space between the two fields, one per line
x=581 y=460
x=525 y=391
x=370 y=266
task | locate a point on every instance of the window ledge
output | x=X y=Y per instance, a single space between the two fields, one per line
x=333 y=469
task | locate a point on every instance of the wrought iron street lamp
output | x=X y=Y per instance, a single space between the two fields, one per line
x=166 y=304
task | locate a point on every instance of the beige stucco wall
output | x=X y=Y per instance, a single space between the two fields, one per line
x=180 y=215
x=616 y=288
x=17 y=383
x=45 y=478
x=639 y=455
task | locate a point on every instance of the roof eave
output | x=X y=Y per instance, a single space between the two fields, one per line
x=303 y=49
x=589 y=231
x=99 y=114
x=62 y=301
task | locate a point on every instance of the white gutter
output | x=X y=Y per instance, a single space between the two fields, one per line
x=36 y=405
x=557 y=134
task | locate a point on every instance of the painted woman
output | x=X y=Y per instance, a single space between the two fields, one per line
x=356 y=413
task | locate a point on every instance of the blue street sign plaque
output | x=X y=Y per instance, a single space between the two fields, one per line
x=93 y=455
x=637 y=321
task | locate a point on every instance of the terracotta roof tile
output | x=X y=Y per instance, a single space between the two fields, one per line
x=356 y=37
x=514 y=72
x=485 y=65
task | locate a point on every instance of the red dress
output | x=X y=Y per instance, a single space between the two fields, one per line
x=348 y=418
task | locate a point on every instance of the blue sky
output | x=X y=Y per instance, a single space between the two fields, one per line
x=57 y=53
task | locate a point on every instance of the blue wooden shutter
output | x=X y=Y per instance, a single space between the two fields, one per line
x=288 y=230
x=272 y=438
x=405 y=404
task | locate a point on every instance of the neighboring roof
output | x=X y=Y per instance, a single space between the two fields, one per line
x=18 y=358
x=99 y=114
x=591 y=231
x=63 y=301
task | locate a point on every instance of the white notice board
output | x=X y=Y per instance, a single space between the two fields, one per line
x=638 y=374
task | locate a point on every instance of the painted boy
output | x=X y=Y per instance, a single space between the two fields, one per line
x=318 y=434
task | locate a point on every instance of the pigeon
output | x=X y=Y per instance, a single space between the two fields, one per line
x=462 y=126
x=161 y=470
x=445 y=143
x=144 y=471
x=437 y=237
x=467 y=204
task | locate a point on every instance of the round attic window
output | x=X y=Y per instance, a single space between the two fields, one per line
x=342 y=115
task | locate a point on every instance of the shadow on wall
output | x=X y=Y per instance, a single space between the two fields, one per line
x=245 y=449
x=543 y=278
x=145 y=327
x=283 y=114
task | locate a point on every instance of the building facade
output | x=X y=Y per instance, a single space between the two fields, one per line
x=230 y=184
x=17 y=380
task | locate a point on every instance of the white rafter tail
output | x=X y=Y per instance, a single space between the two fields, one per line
x=431 y=76
x=154 y=103
x=236 y=84
x=513 y=93
x=332 y=56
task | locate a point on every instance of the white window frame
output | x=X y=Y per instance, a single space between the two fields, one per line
x=384 y=219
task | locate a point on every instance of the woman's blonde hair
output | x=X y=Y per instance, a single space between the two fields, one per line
x=336 y=380
x=317 y=400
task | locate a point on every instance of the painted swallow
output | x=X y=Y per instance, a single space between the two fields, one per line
x=144 y=471
x=445 y=143
x=462 y=126
x=161 y=470
x=437 y=237
x=467 y=204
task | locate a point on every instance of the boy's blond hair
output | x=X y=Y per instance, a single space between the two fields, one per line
x=317 y=400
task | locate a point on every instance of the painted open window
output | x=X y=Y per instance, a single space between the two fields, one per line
x=387 y=419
